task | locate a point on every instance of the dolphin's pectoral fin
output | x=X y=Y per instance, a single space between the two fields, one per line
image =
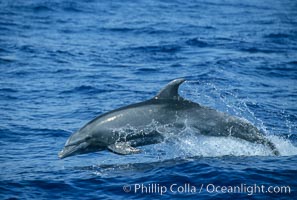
x=123 y=148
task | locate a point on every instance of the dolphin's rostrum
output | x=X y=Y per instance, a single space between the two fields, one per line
x=122 y=130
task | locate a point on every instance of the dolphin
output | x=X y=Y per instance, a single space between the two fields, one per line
x=122 y=130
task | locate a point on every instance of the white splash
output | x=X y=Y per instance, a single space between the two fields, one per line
x=188 y=144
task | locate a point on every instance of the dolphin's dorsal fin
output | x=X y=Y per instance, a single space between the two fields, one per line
x=170 y=91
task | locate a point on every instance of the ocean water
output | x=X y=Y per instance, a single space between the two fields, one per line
x=65 y=62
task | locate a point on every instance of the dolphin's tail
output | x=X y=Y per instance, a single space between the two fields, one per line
x=257 y=136
x=273 y=148
x=270 y=145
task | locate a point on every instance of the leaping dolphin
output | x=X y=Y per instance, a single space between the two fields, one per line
x=122 y=130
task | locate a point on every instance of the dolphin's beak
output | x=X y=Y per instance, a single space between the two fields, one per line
x=80 y=143
x=71 y=150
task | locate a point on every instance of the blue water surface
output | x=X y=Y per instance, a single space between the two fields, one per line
x=65 y=62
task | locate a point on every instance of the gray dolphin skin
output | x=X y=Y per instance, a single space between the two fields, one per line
x=122 y=130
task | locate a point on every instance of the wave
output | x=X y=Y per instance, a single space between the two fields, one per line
x=292 y=63
x=146 y=70
x=259 y=50
x=197 y=42
x=8 y=97
x=118 y=29
x=85 y=89
x=169 y=48
x=278 y=35
x=8 y=90
x=42 y=8
x=278 y=68
x=150 y=29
